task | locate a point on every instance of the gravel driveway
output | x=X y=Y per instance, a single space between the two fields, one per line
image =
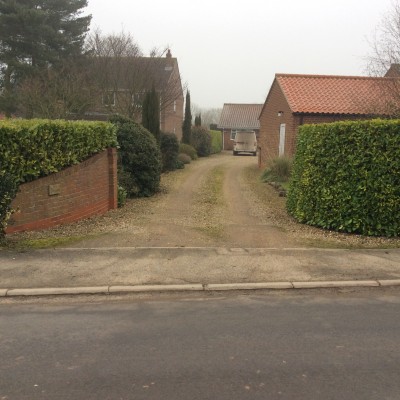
x=217 y=201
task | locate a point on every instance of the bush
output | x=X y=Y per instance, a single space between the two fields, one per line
x=278 y=171
x=184 y=158
x=122 y=194
x=346 y=177
x=139 y=158
x=169 y=146
x=201 y=141
x=8 y=190
x=179 y=164
x=189 y=150
x=216 y=142
x=33 y=148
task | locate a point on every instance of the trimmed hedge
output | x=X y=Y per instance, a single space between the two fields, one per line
x=346 y=177
x=216 y=141
x=33 y=148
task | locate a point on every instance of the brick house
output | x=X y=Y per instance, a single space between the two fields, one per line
x=294 y=100
x=238 y=117
x=123 y=83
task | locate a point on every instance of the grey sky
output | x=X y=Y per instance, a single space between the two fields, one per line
x=229 y=52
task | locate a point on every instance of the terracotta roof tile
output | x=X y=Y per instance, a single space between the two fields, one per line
x=240 y=116
x=329 y=94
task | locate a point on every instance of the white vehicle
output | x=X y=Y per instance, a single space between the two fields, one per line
x=245 y=142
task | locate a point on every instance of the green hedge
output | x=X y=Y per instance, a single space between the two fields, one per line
x=216 y=141
x=34 y=148
x=346 y=177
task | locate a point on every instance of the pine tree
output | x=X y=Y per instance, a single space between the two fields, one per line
x=187 y=122
x=151 y=113
x=37 y=34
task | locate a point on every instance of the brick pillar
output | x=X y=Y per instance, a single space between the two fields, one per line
x=113 y=178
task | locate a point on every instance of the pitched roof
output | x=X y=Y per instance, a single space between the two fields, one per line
x=330 y=94
x=240 y=116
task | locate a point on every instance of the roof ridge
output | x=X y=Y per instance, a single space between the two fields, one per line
x=283 y=75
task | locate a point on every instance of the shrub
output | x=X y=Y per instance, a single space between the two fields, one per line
x=201 y=141
x=179 y=164
x=8 y=190
x=346 y=177
x=279 y=170
x=184 y=158
x=216 y=142
x=169 y=146
x=139 y=158
x=189 y=150
x=122 y=194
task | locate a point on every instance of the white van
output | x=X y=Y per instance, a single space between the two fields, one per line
x=245 y=142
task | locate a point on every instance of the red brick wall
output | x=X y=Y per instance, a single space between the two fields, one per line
x=270 y=122
x=75 y=193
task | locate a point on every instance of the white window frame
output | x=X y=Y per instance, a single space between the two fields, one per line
x=233 y=134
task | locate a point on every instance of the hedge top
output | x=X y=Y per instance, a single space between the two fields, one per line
x=34 y=148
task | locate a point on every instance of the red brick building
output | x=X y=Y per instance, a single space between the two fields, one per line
x=294 y=100
x=238 y=117
x=123 y=83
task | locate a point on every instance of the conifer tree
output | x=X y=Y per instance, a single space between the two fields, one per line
x=37 y=34
x=187 y=122
x=151 y=113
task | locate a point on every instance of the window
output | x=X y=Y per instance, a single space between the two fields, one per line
x=137 y=99
x=109 y=99
x=233 y=134
x=174 y=105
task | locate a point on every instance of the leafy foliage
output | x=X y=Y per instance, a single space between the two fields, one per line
x=169 y=151
x=346 y=177
x=279 y=170
x=33 y=148
x=139 y=158
x=201 y=141
x=8 y=190
x=216 y=141
x=189 y=150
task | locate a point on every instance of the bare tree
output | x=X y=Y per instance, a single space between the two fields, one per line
x=65 y=91
x=385 y=43
x=209 y=116
x=384 y=60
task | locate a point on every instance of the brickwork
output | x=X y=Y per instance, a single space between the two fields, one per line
x=76 y=193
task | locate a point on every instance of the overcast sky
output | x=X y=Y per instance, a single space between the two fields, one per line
x=229 y=51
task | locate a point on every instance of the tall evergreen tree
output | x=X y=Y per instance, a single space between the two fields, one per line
x=187 y=121
x=37 y=34
x=151 y=113
x=197 y=120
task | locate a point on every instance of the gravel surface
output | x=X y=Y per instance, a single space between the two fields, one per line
x=215 y=201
